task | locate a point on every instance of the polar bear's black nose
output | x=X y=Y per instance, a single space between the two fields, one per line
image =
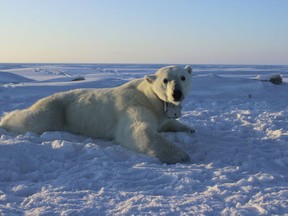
x=177 y=94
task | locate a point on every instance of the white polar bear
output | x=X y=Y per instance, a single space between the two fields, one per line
x=133 y=114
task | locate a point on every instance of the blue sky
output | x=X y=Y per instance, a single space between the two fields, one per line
x=144 y=31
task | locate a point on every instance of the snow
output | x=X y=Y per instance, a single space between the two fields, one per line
x=239 y=152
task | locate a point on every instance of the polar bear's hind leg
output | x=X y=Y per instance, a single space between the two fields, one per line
x=46 y=115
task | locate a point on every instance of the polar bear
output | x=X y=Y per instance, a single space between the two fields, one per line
x=133 y=114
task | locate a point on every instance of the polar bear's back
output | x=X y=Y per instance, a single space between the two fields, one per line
x=91 y=113
x=96 y=112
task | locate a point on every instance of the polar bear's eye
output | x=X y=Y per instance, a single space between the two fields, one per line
x=183 y=78
x=165 y=81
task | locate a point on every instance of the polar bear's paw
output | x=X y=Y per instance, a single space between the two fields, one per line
x=177 y=156
x=189 y=130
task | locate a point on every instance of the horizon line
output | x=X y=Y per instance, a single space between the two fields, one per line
x=87 y=63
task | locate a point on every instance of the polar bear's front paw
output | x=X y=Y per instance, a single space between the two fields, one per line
x=182 y=157
x=178 y=156
x=189 y=130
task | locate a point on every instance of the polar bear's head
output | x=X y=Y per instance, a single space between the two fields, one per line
x=171 y=84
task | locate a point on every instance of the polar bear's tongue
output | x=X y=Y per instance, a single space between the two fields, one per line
x=172 y=111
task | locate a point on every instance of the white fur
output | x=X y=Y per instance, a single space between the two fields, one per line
x=132 y=114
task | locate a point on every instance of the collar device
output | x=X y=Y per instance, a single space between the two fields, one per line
x=172 y=111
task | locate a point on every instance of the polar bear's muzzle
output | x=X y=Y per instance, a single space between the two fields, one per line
x=174 y=93
x=177 y=95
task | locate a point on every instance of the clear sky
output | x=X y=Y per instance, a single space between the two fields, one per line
x=144 y=31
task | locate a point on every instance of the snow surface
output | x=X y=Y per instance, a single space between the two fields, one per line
x=239 y=152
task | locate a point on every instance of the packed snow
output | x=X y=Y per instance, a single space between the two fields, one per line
x=239 y=153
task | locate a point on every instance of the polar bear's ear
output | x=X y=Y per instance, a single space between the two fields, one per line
x=188 y=68
x=150 y=78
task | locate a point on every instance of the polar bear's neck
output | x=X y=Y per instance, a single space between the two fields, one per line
x=154 y=101
x=161 y=108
